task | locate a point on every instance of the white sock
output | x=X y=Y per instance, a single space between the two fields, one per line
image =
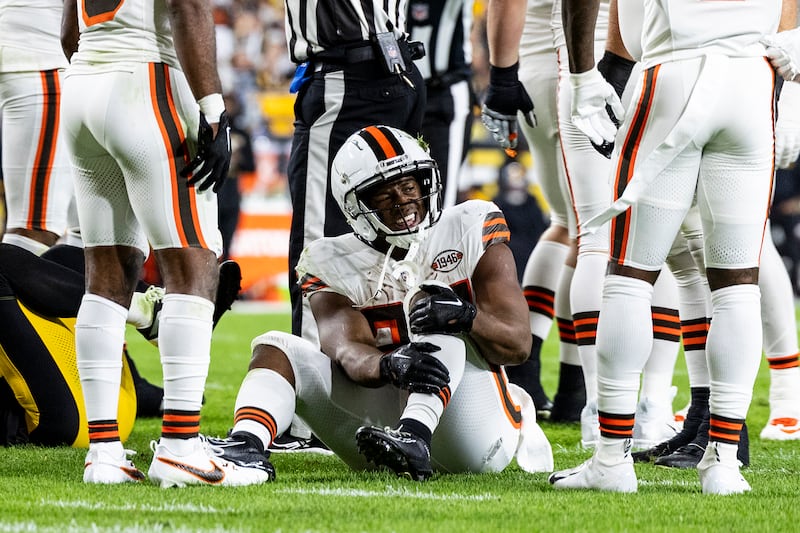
x=734 y=349
x=586 y=293
x=657 y=375
x=777 y=304
x=99 y=338
x=264 y=405
x=428 y=408
x=568 y=347
x=184 y=340
x=624 y=342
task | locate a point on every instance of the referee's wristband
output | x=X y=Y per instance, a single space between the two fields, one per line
x=212 y=106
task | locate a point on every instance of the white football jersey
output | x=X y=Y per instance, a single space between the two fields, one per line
x=30 y=35
x=449 y=253
x=129 y=31
x=680 y=29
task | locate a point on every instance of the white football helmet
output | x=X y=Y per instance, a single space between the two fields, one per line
x=376 y=155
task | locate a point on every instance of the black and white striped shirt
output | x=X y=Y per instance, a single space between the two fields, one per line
x=314 y=26
x=443 y=26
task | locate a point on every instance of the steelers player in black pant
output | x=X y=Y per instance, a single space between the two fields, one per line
x=41 y=401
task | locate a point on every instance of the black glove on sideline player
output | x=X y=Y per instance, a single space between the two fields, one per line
x=412 y=367
x=504 y=97
x=210 y=166
x=441 y=310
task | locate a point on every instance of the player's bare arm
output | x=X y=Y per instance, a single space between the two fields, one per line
x=345 y=337
x=195 y=44
x=501 y=327
x=504 y=22
x=69 y=28
x=579 y=18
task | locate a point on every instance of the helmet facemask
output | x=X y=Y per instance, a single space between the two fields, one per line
x=404 y=232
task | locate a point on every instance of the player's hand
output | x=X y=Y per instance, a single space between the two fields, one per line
x=783 y=51
x=504 y=98
x=441 y=310
x=412 y=367
x=787 y=128
x=596 y=109
x=209 y=168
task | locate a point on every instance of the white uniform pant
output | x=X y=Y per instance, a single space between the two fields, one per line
x=479 y=431
x=36 y=172
x=724 y=155
x=130 y=132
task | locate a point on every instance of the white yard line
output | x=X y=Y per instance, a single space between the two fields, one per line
x=391 y=492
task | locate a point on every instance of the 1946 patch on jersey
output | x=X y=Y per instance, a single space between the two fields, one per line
x=447 y=261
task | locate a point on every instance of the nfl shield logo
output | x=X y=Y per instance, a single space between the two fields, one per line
x=420 y=12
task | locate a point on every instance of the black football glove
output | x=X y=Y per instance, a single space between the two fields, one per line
x=441 y=310
x=504 y=97
x=209 y=168
x=412 y=367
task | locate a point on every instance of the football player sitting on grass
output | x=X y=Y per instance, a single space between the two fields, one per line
x=418 y=311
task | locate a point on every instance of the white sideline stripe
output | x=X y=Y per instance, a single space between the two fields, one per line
x=390 y=493
x=74 y=526
x=80 y=504
x=253 y=307
x=670 y=483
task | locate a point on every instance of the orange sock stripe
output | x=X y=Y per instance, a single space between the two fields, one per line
x=666 y=324
x=540 y=300
x=180 y=417
x=782 y=363
x=695 y=333
x=615 y=426
x=727 y=438
x=258 y=416
x=586 y=327
x=566 y=330
x=723 y=429
x=180 y=424
x=103 y=431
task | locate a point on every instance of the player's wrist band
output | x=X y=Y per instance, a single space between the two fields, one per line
x=212 y=106
x=504 y=75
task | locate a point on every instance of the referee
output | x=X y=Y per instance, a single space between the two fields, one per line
x=444 y=26
x=354 y=69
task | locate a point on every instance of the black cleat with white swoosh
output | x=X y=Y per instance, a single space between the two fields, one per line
x=402 y=452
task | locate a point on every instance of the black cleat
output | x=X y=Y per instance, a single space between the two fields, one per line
x=570 y=396
x=659 y=450
x=400 y=451
x=243 y=450
x=684 y=457
x=288 y=443
x=149 y=397
x=230 y=283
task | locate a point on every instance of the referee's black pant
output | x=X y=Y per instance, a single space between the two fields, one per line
x=335 y=103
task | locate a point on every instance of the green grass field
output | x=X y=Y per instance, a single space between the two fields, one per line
x=41 y=488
